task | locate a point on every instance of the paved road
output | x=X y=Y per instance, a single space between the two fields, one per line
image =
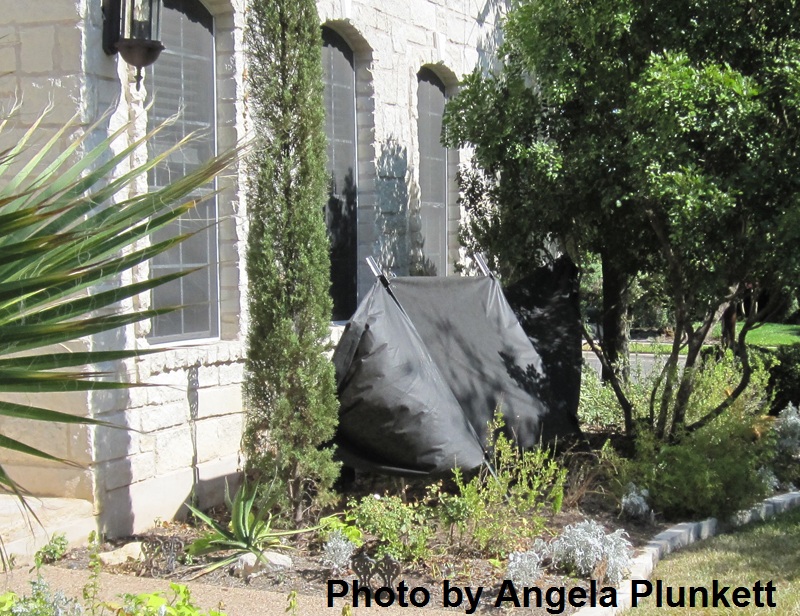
x=641 y=363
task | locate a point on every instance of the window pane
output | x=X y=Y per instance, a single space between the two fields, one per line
x=432 y=172
x=340 y=211
x=182 y=82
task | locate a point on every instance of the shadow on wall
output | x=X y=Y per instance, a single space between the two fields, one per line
x=113 y=446
x=150 y=468
x=392 y=211
x=489 y=21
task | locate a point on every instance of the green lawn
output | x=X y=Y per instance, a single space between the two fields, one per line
x=761 y=552
x=770 y=334
x=767 y=335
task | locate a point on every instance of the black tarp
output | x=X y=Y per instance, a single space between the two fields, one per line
x=421 y=368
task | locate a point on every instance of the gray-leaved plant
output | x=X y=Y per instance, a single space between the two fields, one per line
x=525 y=568
x=587 y=550
x=338 y=551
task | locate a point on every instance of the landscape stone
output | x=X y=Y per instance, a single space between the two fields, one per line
x=249 y=565
x=128 y=552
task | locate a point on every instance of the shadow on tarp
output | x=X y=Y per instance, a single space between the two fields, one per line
x=423 y=366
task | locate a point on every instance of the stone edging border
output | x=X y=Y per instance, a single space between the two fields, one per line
x=680 y=536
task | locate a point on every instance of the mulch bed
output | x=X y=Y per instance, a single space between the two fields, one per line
x=309 y=577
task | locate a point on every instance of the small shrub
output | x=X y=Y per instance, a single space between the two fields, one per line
x=292 y=604
x=587 y=551
x=787 y=430
x=338 y=550
x=713 y=471
x=332 y=524
x=156 y=604
x=499 y=509
x=716 y=378
x=786 y=435
x=769 y=478
x=710 y=472
x=634 y=503
x=52 y=551
x=404 y=529
x=525 y=568
x=598 y=408
x=41 y=602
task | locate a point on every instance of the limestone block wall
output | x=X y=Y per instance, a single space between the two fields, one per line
x=41 y=71
x=40 y=58
x=391 y=43
x=183 y=417
x=186 y=419
x=185 y=438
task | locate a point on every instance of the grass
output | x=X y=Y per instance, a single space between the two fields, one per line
x=765 y=551
x=766 y=335
x=770 y=334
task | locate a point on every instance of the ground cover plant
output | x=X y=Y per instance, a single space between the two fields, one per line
x=42 y=601
x=764 y=551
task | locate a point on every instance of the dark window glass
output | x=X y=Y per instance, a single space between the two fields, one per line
x=182 y=82
x=432 y=172
x=340 y=211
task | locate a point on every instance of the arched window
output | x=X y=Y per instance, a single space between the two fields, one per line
x=340 y=211
x=182 y=82
x=432 y=172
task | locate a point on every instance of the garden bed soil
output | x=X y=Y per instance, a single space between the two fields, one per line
x=309 y=577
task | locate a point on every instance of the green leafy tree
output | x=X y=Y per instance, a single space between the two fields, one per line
x=661 y=136
x=68 y=230
x=551 y=167
x=290 y=387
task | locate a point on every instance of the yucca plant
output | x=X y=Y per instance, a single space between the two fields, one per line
x=250 y=529
x=68 y=229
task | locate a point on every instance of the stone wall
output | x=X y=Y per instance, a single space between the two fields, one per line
x=183 y=425
x=41 y=72
x=187 y=419
x=391 y=43
x=184 y=422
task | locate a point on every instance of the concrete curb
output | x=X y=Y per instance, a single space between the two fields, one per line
x=680 y=536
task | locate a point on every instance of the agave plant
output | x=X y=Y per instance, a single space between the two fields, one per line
x=68 y=229
x=250 y=529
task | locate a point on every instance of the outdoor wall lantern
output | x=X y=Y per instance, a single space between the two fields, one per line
x=133 y=28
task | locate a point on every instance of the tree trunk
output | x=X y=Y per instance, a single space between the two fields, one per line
x=728 y=327
x=616 y=324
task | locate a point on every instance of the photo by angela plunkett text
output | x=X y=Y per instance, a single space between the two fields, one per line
x=555 y=599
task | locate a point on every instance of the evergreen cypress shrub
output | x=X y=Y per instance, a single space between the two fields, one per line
x=289 y=383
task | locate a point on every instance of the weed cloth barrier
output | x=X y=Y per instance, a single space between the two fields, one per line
x=420 y=377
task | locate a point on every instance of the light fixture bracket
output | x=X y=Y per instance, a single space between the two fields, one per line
x=132 y=29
